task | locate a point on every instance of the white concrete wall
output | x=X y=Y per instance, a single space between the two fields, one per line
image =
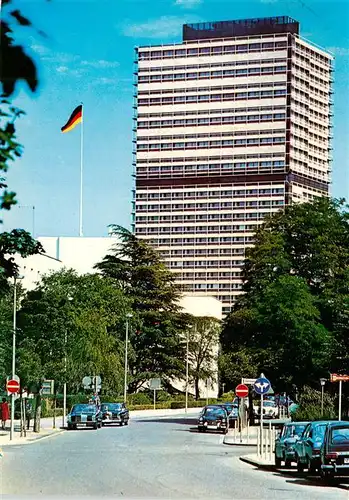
x=79 y=253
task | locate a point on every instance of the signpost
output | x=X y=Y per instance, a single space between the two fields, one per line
x=241 y=391
x=47 y=387
x=335 y=377
x=12 y=386
x=248 y=381
x=261 y=386
x=155 y=385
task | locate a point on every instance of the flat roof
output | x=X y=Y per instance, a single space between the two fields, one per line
x=240 y=27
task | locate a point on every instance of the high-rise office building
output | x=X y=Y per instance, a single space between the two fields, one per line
x=231 y=124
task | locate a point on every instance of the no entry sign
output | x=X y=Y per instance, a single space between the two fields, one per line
x=12 y=386
x=241 y=391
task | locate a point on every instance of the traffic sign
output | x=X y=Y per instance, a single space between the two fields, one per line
x=241 y=391
x=335 y=377
x=248 y=381
x=48 y=387
x=12 y=386
x=262 y=385
x=155 y=384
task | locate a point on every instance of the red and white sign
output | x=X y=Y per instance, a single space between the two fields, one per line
x=335 y=377
x=12 y=386
x=241 y=391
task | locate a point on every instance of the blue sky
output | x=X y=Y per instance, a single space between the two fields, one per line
x=88 y=56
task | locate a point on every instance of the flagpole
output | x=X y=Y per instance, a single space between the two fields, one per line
x=81 y=168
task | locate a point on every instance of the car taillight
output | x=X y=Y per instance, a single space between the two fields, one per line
x=332 y=456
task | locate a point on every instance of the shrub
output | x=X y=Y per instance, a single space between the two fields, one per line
x=227 y=396
x=310 y=406
x=140 y=398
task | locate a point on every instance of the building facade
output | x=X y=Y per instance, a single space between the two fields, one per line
x=230 y=125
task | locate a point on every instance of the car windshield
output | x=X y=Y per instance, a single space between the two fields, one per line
x=269 y=403
x=229 y=408
x=340 y=435
x=111 y=406
x=214 y=411
x=84 y=409
x=293 y=430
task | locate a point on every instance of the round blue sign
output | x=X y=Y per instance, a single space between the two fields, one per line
x=261 y=385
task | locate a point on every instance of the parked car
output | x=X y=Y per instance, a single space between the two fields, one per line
x=232 y=410
x=84 y=415
x=308 y=447
x=334 y=456
x=213 y=418
x=115 y=413
x=285 y=443
x=270 y=410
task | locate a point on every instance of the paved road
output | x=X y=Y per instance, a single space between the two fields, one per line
x=148 y=459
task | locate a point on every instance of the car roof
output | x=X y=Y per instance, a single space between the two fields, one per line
x=113 y=403
x=296 y=423
x=338 y=423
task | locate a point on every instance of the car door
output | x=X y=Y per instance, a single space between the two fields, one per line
x=301 y=443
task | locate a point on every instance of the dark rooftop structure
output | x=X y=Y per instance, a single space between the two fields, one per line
x=240 y=27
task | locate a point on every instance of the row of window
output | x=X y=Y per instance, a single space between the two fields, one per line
x=203 y=252
x=233 y=96
x=258 y=141
x=226 y=73
x=210 y=65
x=204 y=135
x=311 y=77
x=216 y=111
x=198 y=159
x=203 y=206
x=207 y=275
x=211 y=50
x=312 y=89
x=211 y=88
x=204 y=194
x=216 y=120
x=212 y=240
x=215 y=167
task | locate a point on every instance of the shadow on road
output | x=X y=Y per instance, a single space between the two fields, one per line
x=181 y=421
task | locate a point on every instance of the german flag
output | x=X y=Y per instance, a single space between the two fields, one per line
x=75 y=119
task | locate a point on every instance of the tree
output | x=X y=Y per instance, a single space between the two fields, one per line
x=155 y=336
x=291 y=320
x=309 y=407
x=78 y=318
x=203 y=349
x=16 y=65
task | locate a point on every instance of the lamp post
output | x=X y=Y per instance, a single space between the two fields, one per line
x=14 y=332
x=129 y=315
x=322 y=382
x=65 y=374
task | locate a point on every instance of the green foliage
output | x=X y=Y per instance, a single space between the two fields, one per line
x=139 y=398
x=293 y=318
x=204 y=335
x=77 y=317
x=155 y=329
x=227 y=396
x=310 y=406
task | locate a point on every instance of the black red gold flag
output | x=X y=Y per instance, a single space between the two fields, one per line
x=75 y=119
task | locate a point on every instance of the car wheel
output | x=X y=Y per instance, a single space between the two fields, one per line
x=99 y=425
x=300 y=466
x=288 y=463
x=95 y=426
x=327 y=478
x=277 y=462
x=70 y=427
x=126 y=422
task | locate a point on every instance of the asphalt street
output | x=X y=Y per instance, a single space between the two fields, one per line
x=151 y=458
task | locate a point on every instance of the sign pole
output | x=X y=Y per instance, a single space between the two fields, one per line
x=261 y=424
x=154 y=399
x=340 y=401
x=13 y=355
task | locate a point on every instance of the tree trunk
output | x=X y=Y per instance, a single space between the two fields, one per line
x=37 y=413
x=197 y=390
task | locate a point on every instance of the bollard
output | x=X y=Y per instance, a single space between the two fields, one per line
x=235 y=432
x=258 y=443
x=248 y=432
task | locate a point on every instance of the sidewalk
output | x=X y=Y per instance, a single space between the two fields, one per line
x=248 y=437
x=260 y=462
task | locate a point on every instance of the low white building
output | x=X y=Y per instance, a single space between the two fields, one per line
x=79 y=253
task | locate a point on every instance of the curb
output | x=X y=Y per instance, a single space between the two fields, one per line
x=31 y=441
x=257 y=464
x=239 y=444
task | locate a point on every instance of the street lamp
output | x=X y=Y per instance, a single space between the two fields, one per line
x=322 y=382
x=65 y=374
x=129 y=315
x=14 y=331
